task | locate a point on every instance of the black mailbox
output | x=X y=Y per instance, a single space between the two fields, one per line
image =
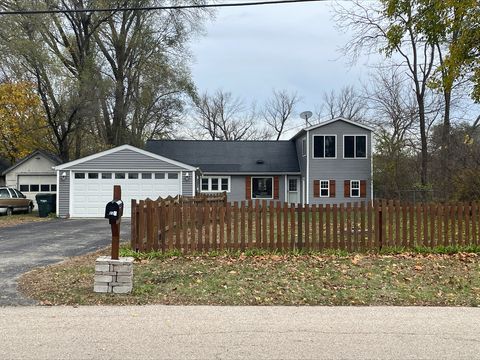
x=114 y=210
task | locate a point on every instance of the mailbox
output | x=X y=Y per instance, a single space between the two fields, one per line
x=114 y=211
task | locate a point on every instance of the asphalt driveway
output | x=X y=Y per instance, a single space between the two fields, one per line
x=27 y=246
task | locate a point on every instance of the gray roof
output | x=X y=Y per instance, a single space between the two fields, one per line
x=230 y=156
x=54 y=158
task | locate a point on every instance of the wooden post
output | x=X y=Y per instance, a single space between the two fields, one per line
x=117 y=195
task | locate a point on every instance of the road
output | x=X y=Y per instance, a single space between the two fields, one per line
x=24 y=247
x=202 y=332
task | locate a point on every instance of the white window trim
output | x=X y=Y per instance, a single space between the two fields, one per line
x=355 y=147
x=262 y=177
x=351 y=188
x=304 y=147
x=313 y=147
x=328 y=195
x=219 y=184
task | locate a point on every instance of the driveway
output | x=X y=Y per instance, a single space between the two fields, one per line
x=27 y=246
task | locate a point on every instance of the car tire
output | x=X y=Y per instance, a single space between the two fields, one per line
x=30 y=209
x=9 y=212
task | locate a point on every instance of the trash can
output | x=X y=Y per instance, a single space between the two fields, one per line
x=47 y=203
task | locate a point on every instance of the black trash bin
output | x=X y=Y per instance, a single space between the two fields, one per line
x=47 y=203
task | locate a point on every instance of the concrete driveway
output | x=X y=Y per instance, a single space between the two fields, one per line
x=27 y=246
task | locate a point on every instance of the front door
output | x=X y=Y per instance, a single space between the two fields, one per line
x=293 y=190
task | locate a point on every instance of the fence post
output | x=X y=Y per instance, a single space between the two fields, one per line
x=133 y=226
x=380 y=225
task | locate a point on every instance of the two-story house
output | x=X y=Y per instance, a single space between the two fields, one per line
x=326 y=163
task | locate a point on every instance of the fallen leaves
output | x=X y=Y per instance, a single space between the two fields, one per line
x=404 y=279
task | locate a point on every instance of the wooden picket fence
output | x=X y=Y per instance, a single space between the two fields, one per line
x=206 y=226
x=220 y=199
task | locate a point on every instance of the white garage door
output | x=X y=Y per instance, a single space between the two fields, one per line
x=92 y=190
x=31 y=185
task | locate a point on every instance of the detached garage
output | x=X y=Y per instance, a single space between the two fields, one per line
x=86 y=185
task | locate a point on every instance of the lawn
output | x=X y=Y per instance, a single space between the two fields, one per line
x=271 y=279
x=17 y=219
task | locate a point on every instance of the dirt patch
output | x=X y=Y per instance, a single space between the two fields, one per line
x=405 y=279
x=18 y=219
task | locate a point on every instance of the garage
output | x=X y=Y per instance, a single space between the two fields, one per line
x=92 y=190
x=86 y=185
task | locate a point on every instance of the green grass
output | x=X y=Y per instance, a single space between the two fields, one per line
x=447 y=278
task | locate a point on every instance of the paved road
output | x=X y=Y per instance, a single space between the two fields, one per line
x=200 y=332
x=27 y=246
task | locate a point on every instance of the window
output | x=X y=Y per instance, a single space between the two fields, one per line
x=14 y=193
x=355 y=146
x=159 y=176
x=93 y=175
x=225 y=184
x=304 y=147
x=324 y=146
x=205 y=185
x=172 y=176
x=262 y=188
x=324 y=188
x=45 y=188
x=133 y=175
x=146 y=176
x=4 y=194
x=24 y=188
x=215 y=184
x=106 y=175
x=355 y=188
x=19 y=194
x=53 y=187
x=36 y=188
x=292 y=184
x=119 y=175
x=79 y=175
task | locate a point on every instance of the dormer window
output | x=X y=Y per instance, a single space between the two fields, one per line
x=324 y=146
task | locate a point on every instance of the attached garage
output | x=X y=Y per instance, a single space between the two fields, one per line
x=86 y=185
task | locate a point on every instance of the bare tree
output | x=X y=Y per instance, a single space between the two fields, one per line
x=374 y=31
x=347 y=103
x=223 y=117
x=278 y=109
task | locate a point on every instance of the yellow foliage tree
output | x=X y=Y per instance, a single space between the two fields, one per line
x=23 y=127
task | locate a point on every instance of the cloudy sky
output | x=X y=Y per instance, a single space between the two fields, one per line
x=250 y=51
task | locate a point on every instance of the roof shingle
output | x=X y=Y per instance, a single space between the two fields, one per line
x=230 y=156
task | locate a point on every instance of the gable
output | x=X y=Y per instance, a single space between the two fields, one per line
x=38 y=163
x=122 y=159
x=339 y=128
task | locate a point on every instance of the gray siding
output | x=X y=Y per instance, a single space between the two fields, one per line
x=63 y=196
x=126 y=160
x=302 y=160
x=187 y=185
x=340 y=169
x=237 y=186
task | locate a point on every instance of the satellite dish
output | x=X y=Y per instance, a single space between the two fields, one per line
x=306 y=115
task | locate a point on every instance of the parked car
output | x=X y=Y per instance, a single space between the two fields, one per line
x=12 y=200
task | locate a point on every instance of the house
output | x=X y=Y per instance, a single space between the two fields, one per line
x=326 y=163
x=4 y=165
x=33 y=174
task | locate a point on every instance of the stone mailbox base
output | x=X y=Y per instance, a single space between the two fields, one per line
x=113 y=276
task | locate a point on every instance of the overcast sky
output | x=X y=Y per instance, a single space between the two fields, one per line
x=250 y=51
